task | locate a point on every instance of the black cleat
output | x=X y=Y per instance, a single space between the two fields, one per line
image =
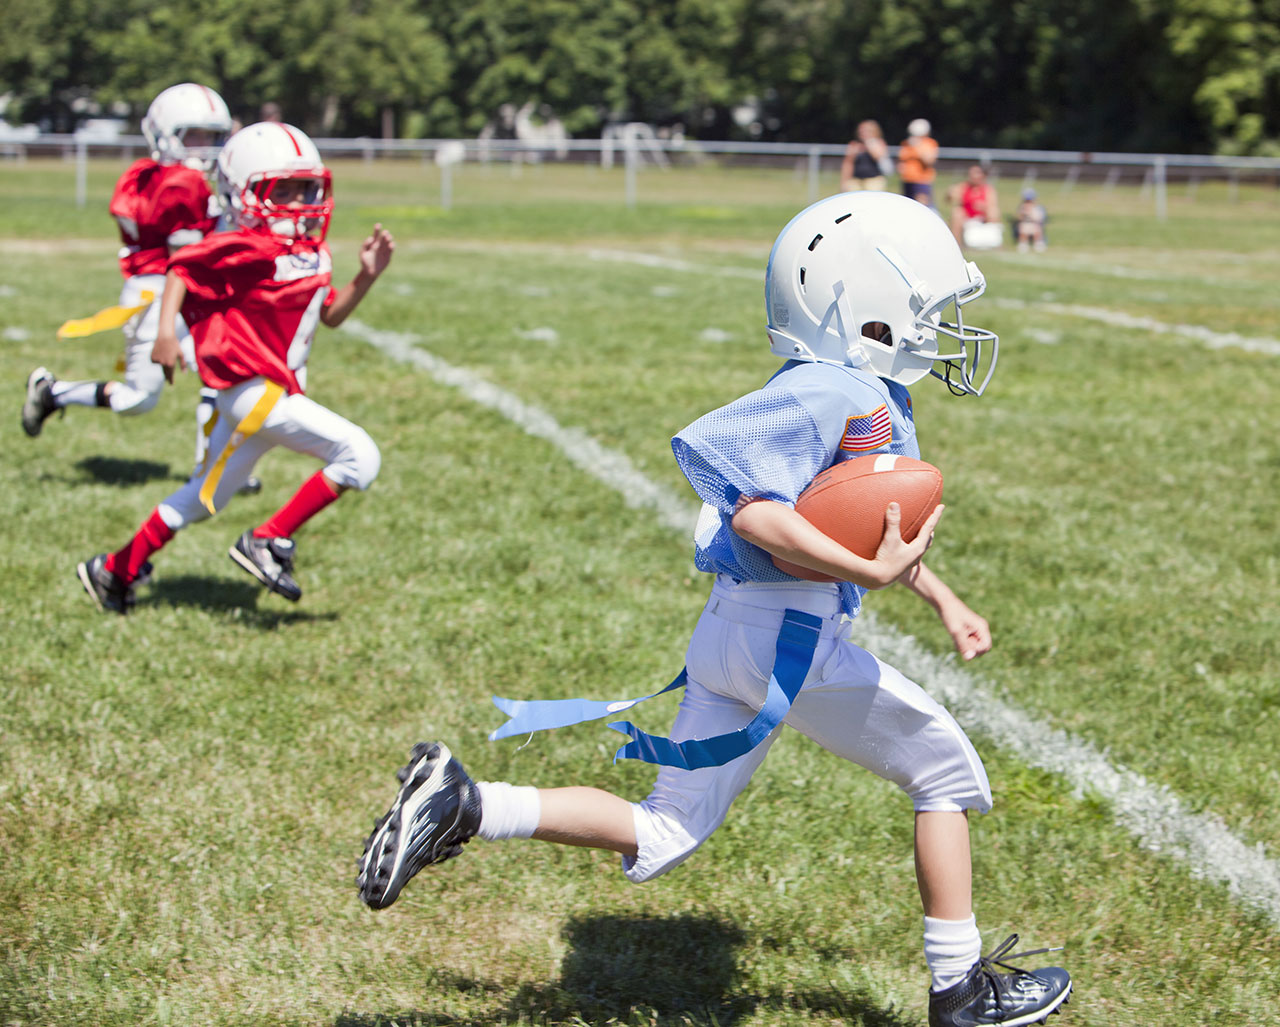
x=987 y=996
x=106 y=590
x=251 y=487
x=270 y=560
x=39 y=405
x=436 y=812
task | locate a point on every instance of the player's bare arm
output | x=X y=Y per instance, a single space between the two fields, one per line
x=969 y=631
x=166 y=351
x=780 y=531
x=375 y=255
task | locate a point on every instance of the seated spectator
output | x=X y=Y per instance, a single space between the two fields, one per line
x=916 y=159
x=866 y=160
x=1029 y=222
x=975 y=211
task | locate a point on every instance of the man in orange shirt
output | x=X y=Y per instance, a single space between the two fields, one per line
x=916 y=159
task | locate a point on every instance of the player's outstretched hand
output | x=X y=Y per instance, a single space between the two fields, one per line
x=167 y=353
x=376 y=250
x=970 y=632
x=896 y=555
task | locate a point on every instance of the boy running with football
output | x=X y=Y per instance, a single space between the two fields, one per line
x=253 y=297
x=856 y=291
x=160 y=204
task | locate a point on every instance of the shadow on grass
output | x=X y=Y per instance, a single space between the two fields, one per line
x=111 y=470
x=663 y=971
x=222 y=596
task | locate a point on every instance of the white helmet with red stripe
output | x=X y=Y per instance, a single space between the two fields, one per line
x=252 y=166
x=179 y=112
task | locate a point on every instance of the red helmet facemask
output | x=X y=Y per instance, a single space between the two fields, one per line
x=305 y=217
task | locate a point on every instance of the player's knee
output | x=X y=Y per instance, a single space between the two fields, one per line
x=181 y=509
x=662 y=843
x=359 y=462
x=127 y=401
x=963 y=785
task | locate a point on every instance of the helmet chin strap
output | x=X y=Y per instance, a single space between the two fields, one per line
x=850 y=332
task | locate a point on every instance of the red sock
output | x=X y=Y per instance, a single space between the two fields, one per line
x=127 y=563
x=316 y=493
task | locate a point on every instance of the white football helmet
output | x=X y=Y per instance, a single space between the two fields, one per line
x=258 y=157
x=882 y=264
x=179 y=110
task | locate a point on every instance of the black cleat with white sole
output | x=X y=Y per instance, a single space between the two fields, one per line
x=987 y=996
x=436 y=812
x=39 y=405
x=107 y=591
x=270 y=560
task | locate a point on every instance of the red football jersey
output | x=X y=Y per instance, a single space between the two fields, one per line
x=150 y=203
x=253 y=302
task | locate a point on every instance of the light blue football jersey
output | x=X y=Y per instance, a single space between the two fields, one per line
x=772 y=442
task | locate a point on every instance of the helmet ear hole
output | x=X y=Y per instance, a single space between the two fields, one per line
x=878 y=332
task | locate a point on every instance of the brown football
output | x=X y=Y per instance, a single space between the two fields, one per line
x=847 y=502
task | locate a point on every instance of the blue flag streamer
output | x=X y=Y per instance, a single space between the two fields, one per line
x=544 y=714
x=797 y=640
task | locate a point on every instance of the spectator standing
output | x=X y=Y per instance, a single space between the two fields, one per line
x=917 y=157
x=866 y=160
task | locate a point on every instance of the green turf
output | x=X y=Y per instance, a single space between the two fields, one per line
x=183 y=792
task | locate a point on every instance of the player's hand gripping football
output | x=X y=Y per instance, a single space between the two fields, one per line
x=375 y=252
x=893 y=552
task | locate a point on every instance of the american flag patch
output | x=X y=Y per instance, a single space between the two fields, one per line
x=865 y=432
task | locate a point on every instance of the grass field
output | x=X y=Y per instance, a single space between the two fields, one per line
x=183 y=792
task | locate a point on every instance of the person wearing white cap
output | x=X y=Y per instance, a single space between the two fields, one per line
x=916 y=159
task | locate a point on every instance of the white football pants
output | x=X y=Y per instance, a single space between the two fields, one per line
x=143 y=382
x=351 y=457
x=851 y=704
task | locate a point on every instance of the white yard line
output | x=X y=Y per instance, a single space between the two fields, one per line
x=1116 y=318
x=1119 y=319
x=1156 y=817
x=676 y=264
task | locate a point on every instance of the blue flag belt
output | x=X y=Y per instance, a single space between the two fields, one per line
x=797 y=640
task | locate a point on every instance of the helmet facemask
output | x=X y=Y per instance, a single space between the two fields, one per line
x=258 y=206
x=973 y=363
x=958 y=368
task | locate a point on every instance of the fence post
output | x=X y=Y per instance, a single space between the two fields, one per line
x=630 y=159
x=82 y=172
x=815 y=162
x=1162 y=200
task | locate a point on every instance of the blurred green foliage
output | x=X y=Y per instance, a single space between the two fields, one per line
x=1145 y=75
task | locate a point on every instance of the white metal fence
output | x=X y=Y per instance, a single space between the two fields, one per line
x=1154 y=171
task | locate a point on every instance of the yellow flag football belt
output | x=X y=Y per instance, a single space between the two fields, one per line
x=106 y=319
x=248 y=425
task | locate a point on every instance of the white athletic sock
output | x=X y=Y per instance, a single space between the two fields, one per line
x=81 y=394
x=951 y=947
x=507 y=811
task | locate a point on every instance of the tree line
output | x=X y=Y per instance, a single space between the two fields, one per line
x=1136 y=75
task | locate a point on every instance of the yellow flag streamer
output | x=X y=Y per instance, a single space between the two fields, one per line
x=249 y=424
x=104 y=320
